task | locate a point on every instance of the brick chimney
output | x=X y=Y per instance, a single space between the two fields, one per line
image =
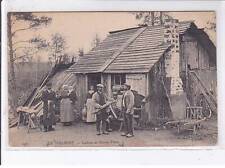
x=172 y=62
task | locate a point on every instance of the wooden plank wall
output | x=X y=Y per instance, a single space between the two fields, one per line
x=137 y=82
x=199 y=59
x=203 y=58
x=194 y=53
x=157 y=105
x=209 y=78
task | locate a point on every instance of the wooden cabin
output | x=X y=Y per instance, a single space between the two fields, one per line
x=170 y=65
x=155 y=61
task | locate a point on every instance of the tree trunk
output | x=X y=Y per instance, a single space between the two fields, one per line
x=12 y=76
x=161 y=18
x=152 y=18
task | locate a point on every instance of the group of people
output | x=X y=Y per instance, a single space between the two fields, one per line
x=64 y=100
x=97 y=106
x=101 y=102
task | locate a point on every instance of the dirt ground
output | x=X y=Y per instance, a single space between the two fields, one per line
x=84 y=135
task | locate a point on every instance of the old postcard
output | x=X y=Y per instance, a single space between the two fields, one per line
x=112 y=79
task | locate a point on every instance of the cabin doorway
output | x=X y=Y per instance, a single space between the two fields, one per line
x=93 y=80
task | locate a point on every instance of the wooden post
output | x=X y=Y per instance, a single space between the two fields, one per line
x=86 y=82
x=186 y=66
x=109 y=83
x=102 y=78
x=147 y=84
x=199 y=66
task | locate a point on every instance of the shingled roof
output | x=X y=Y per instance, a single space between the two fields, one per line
x=127 y=51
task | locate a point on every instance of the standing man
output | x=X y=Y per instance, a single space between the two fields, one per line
x=99 y=99
x=48 y=98
x=128 y=110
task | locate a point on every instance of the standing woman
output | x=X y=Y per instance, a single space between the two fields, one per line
x=91 y=117
x=73 y=98
x=66 y=112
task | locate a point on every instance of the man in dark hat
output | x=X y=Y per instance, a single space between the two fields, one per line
x=128 y=110
x=48 y=98
x=99 y=99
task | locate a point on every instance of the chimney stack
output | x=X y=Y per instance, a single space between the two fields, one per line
x=172 y=62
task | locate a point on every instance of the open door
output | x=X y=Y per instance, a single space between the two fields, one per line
x=93 y=80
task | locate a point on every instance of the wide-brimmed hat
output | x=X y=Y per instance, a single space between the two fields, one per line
x=100 y=85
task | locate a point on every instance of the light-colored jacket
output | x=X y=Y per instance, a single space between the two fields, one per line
x=128 y=102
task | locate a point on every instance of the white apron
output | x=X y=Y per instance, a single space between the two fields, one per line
x=91 y=117
x=66 y=110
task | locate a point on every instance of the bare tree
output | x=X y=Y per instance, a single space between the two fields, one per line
x=211 y=25
x=57 y=47
x=152 y=17
x=32 y=47
x=72 y=57
x=31 y=22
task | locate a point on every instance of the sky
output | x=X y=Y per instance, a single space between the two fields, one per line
x=80 y=28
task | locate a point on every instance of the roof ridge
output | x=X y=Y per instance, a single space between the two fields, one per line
x=138 y=27
x=121 y=49
x=121 y=30
x=185 y=21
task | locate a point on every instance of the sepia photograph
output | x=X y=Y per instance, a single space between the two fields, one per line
x=112 y=79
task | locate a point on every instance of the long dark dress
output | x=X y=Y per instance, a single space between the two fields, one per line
x=48 y=97
x=68 y=100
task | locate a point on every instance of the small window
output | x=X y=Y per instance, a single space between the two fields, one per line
x=118 y=79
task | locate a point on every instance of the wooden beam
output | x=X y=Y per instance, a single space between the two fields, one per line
x=102 y=78
x=147 y=84
x=109 y=83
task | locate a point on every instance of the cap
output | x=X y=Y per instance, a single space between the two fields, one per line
x=126 y=84
x=114 y=93
x=100 y=85
x=65 y=87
